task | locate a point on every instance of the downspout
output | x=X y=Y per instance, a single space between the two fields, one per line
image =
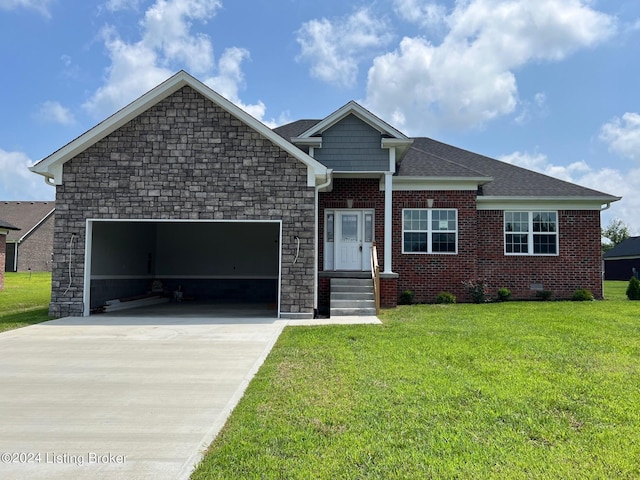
x=328 y=180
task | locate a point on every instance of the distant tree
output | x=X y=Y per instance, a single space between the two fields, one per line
x=616 y=232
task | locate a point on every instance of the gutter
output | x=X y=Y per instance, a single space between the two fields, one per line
x=316 y=240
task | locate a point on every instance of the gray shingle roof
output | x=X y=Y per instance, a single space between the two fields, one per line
x=430 y=158
x=7 y=225
x=24 y=215
x=629 y=248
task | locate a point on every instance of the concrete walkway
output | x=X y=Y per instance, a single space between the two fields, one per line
x=125 y=396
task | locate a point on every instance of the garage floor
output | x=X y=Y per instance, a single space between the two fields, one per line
x=130 y=394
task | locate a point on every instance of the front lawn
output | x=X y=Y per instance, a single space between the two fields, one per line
x=25 y=299
x=511 y=390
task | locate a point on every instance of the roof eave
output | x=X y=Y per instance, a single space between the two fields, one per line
x=51 y=166
x=531 y=202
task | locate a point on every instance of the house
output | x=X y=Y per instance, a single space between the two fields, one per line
x=623 y=261
x=31 y=246
x=185 y=189
x=5 y=228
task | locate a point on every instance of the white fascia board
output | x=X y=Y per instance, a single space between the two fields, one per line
x=548 y=203
x=51 y=166
x=438 y=183
x=360 y=112
x=42 y=220
x=4 y=232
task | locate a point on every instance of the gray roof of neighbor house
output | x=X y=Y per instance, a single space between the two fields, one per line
x=429 y=158
x=629 y=248
x=7 y=225
x=25 y=215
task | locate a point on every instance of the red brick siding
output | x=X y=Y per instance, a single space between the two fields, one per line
x=578 y=264
x=426 y=275
x=388 y=292
x=365 y=193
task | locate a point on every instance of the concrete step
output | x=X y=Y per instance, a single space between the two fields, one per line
x=351 y=282
x=352 y=295
x=353 y=303
x=346 y=312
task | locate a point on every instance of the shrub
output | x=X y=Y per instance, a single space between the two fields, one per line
x=446 y=298
x=504 y=294
x=633 y=290
x=406 y=298
x=582 y=295
x=543 y=295
x=478 y=290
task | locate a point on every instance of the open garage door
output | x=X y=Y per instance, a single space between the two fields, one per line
x=215 y=262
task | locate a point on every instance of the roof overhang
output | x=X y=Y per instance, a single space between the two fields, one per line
x=438 y=183
x=551 y=203
x=51 y=166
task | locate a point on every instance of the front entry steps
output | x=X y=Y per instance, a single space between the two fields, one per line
x=351 y=297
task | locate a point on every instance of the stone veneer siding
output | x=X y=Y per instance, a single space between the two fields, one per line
x=185 y=158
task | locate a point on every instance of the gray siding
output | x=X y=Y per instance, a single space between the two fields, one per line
x=352 y=145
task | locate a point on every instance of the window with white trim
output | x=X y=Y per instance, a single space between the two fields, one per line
x=429 y=230
x=531 y=233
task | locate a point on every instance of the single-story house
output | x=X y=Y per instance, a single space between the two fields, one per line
x=623 y=261
x=185 y=189
x=5 y=228
x=30 y=248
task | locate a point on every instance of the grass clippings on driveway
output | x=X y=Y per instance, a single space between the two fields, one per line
x=512 y=390
x=25 y=299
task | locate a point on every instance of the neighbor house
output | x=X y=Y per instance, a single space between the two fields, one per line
x=184 y=188
x=623 y=261
x=31 y=247
x=5 y=228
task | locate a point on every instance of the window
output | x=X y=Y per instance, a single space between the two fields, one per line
x=531 y=233
x=429 y=231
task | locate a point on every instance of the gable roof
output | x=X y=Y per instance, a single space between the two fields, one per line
x=500 y=180
x=51 y=166
x=6 y=226
x=26 y=216
x=628 y=248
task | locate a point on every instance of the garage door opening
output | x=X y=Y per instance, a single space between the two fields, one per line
x=209 y=262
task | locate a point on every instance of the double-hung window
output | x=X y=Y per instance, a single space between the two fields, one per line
x=531 y=233
x=429 y=231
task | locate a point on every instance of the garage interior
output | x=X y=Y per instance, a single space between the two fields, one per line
x=216 y=263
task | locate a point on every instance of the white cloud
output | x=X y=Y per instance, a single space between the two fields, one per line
x=118 y=5
x=607 y=180
x=427 y=14
x=623 y=135
x=334 y=49
x=17 y=182
x=41 y=6
x=168 y=43
x=54 y=112
x=468 y=79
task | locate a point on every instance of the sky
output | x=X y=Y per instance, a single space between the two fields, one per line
x=550 y=85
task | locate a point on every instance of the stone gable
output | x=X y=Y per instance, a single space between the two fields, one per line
x=185 y=158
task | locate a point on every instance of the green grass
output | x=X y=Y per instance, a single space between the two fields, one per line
x=25 y=299
x=509 y=390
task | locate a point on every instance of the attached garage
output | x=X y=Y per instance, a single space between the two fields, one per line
x=207 y=261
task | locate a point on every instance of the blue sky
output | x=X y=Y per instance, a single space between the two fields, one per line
x=550 y=85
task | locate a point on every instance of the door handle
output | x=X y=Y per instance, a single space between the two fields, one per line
x=360 y=247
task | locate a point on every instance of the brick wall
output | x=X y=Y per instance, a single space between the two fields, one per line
x=34 y=252
x=427 y=275
x=578 y=264
x=184 y=158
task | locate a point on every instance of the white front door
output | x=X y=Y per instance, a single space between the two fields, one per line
x=349 y=240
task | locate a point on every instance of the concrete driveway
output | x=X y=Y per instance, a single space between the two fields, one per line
x=133 y=395
x=120 y=396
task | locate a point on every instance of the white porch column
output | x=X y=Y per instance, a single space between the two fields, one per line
x=388 y=220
